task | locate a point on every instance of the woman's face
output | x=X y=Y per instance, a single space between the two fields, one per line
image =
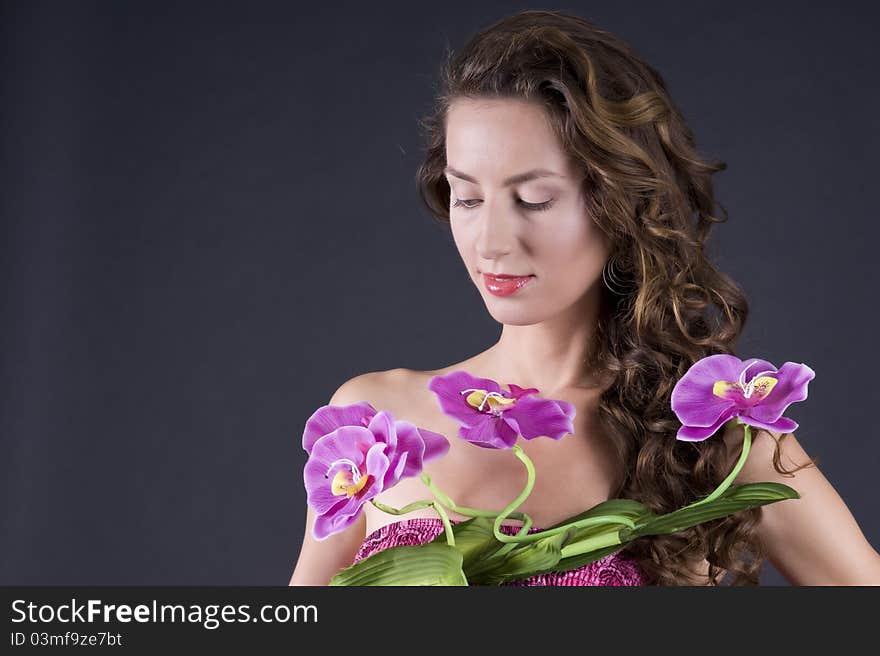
x=500 y=227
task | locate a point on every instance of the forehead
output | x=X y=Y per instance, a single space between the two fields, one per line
x=498 y=137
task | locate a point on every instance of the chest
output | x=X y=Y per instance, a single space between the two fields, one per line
x=571 y=474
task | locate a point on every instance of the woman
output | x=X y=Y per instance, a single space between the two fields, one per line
x=580 y=209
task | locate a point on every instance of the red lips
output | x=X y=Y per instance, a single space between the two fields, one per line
x=504 y=284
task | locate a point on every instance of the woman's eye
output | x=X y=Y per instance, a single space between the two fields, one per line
x=537 y=207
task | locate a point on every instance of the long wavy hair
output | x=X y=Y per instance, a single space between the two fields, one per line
x=649 y=190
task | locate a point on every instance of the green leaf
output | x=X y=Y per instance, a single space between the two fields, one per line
x=734 y=499
x=627 y=507
x=634 y=510
x=427 y=564
x=539 y=556
x=521 y=562
x=474 y=539
x=436 y=563
x=573 y=562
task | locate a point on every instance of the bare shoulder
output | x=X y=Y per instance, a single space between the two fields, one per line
x=759 y=465
x=374 y=387
x=400 y=391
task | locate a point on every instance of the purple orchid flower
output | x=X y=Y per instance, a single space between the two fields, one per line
x=720 y=387
x=355 y=453
x=493 y=418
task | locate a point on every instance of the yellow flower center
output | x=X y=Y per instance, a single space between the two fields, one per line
x=758 y=387
x=348 y=481
x=479 y=399
x=343 y=484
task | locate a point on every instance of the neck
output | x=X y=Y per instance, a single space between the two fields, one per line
x=550 y=355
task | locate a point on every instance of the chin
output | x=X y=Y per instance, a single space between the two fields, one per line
x=515 y=317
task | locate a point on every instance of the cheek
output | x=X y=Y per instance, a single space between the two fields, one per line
x=462 y=241
x=573 y=246
x=572 y=260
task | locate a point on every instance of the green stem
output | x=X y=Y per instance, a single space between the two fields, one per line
x=599 y=541
x=581 y=523
x=402 y=511
x=469 y=512
x=747 y=443
x=450 y=537
x=476 y=512
x=521 y=538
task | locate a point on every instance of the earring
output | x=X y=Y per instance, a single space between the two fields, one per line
x=608 y=272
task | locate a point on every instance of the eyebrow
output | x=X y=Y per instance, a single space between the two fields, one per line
x=512 y=180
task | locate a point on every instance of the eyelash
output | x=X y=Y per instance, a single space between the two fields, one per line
x=535 y=207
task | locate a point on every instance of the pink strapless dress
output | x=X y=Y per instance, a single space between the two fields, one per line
x=614 y=569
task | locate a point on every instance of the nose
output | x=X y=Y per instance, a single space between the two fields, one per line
x=496 y=233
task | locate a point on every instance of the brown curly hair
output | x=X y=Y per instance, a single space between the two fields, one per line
x=650 y=191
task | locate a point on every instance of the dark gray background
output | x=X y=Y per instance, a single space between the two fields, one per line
x=210 y=221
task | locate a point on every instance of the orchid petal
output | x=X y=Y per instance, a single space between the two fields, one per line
x=700 y=433
x=382 y=425
x=793 y=379
x=537 y=417
x=516 y=391
x=328 y=418
x=436 y=444
x=346 y=442
x=378 y=464
x=318 y=492
x=330 y=523
x=692 y=398
x=411 y=444
x=781 y=425
x=489 y=432
x=448 y=389
x=394 y=475
x=377 y=453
